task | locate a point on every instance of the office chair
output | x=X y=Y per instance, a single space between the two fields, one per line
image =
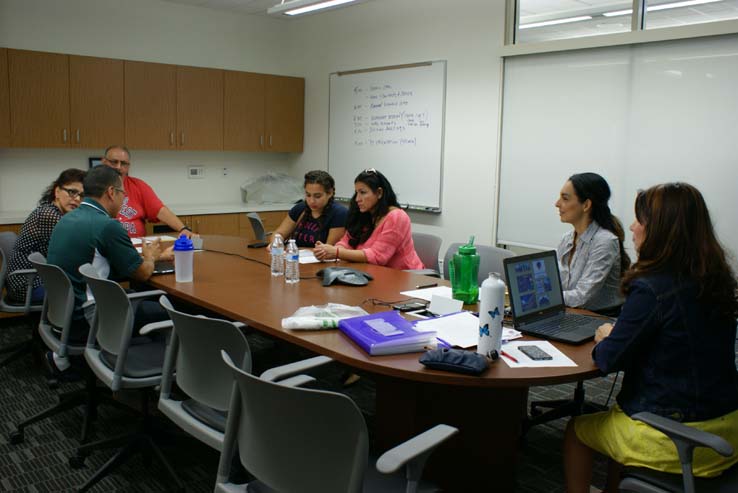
x=427 y=247
x=194 y=362
x=7 y=243
x=295 y=439
x=260 y=233
x=644 y=480
x=121 y=361
x=490 y=260
x=54 y=330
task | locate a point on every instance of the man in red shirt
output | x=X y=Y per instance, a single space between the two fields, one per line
x=141 y=203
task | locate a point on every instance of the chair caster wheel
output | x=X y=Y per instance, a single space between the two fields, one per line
x=77 y=462
x=16 y=437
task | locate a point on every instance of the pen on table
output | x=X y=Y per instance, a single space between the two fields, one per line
x=423 y=286
x=511 y=358
x=443 y=343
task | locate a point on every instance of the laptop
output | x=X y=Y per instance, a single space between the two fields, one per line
x=537 y=300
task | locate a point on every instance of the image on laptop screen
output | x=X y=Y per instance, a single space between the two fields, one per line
x=534 y=283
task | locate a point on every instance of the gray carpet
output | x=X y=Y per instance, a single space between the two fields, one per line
x=40 y=464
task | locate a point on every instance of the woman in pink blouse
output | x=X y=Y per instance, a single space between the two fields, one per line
x=377 y=230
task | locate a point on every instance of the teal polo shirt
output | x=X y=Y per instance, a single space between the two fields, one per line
x=76 y=237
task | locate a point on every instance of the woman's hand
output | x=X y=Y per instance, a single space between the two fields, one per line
x=324 y=251
x=602 y=332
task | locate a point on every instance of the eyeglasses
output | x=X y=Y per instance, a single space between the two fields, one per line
x=73 y=193
x=121 y=190
x=370 y=170
x=117 y=162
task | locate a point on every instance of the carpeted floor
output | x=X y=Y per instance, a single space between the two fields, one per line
x=40 y=464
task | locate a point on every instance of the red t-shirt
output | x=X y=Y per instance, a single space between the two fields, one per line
x=140 y=205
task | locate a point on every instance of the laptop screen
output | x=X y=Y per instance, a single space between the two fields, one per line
x=534 y=283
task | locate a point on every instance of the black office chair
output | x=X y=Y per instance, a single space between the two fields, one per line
x=686 y=439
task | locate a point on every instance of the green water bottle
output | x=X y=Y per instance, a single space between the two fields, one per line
x=464 y=271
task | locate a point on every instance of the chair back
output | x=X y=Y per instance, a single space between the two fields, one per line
x=7 y=242
x=257 y=225
x=195 y=345
x=490 y=260
x=427 y=247
x=295 y=439
x=59 y=301
x=113 y=314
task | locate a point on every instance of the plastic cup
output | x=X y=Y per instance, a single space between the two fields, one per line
x=184 y=253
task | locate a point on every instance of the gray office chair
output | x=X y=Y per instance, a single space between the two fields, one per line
x=643 y=480
x=120 y=362
x=490 y=260
x=294 y=439
x=427 y=247
x=260 y=233
x=7 y=243
x=194 y=362
x=54 y=329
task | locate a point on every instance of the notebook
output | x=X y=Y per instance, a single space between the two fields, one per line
x=537 y=300
x=385 y=333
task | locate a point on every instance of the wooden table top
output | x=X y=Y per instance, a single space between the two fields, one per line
x=244 y=290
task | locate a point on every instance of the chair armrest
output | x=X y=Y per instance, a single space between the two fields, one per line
x=164 y=324
x=145 y=294
x=296 y=381
x=425 y=272
x=240 y=325
x=417 y=448
x=685 y=434
x=29 y=273
x=280 y=372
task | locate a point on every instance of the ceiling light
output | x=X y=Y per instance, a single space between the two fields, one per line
x=616 y=13
x=299 y=7
x=555 y=21
x=663 y=6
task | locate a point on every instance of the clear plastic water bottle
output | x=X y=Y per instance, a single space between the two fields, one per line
x=491 y=312
x=292 y=263
x=277 y=251
x=183 y=259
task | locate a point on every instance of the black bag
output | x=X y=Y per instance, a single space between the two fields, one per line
x=455 y=360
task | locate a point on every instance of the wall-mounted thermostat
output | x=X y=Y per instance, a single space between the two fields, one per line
x=195 y=172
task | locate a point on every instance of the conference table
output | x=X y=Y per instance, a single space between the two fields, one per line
x=235 y=282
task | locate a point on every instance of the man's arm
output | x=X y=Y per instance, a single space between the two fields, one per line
x=170 y=219
x=150 y=252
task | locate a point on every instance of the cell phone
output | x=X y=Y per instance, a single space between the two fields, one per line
x=407 y=307
x=535 y=353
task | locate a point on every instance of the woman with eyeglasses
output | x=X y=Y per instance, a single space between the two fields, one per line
x=377 y=230
x=318 y=218
x=674 y=340
x=62 y=196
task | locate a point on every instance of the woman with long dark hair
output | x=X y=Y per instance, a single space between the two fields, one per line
x=377 y=229
x=591 y=256
x=62 y=196
x=675 y=341
x=318 y=218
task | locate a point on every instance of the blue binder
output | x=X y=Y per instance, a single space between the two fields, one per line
x=385 y=333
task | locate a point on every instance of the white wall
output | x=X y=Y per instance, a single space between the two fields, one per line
x=146 y=30
x=466 y=33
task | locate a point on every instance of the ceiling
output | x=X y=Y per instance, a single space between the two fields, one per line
x=258 y=7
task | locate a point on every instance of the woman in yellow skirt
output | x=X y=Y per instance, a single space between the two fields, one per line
x=674 y=340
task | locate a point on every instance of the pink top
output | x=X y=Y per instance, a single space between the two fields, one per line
x=391 y=243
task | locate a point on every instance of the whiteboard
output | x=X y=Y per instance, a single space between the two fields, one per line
x=390 y=119
x=638 y=115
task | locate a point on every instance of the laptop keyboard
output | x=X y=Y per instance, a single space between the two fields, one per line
x=556 y=325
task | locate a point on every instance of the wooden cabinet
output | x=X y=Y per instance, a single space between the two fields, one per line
x=199 y=108
x=96 y=101
x=271 y=220
x=4 y=100
x=215 y=224
x=150 y=105
x=39 y=99
x=263 y=112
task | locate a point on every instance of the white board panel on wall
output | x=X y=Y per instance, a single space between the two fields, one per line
x=639 y=115
x=391 y=119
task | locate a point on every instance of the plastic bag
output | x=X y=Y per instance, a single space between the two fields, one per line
x=272 y=188
x=321 y=317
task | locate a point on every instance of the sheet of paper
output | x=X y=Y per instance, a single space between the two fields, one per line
x=427 y=293
x=308 y=257
x=440 y=305
x=511 y=348
x=162 y=238
x=459 y=329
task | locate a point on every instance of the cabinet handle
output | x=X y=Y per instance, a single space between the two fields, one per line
x=78 y=136
x=261 y=141
x=270 y=141
x=64 y=135
x=197 y=226
x=182 y=139
x=171 y=138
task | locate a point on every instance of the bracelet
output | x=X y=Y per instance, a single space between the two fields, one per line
x=337 y=254
x=183 y=228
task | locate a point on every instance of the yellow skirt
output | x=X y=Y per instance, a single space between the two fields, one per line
x=633 y=443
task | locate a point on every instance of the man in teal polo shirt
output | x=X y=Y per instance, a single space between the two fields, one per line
x=93 y=235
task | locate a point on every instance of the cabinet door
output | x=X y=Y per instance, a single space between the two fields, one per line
x=39 y=99
x=96 y=101
x=150 y=105
x=285 y=113
x=243 y=112
x=199 y=108
x=215 y=224
x=4 y=100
